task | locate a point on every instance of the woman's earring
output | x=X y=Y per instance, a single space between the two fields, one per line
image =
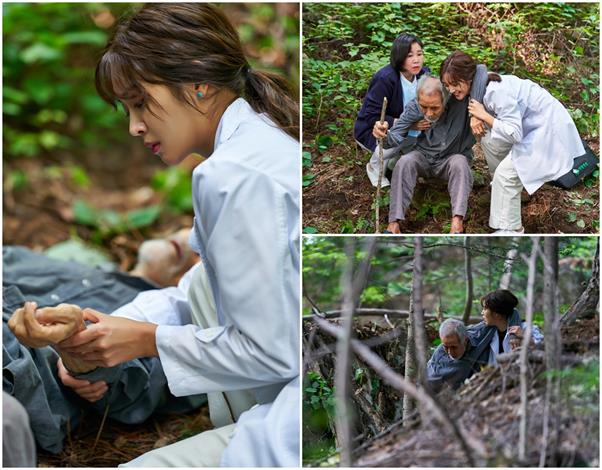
x=200 y=94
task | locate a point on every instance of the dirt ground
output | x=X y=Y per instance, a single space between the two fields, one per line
x=340 y=199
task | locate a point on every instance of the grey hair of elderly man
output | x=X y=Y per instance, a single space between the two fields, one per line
x=453 y=337
x=453 y=326
x=428 y=85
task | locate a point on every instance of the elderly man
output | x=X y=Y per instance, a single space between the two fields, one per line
x=462 y=352
x=459 y=355
x=443 y=151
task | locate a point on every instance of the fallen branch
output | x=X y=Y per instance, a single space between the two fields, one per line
x=379 y=312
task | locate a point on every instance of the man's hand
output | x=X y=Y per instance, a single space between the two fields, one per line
x=46 y=326
x=91 y=391
x=477 y=126
x=380 y=129
x=421 y=125
x=111 y=340
x=515 y=336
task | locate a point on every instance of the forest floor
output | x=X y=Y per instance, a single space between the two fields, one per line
x=487 y=409
x=40 y=215
x=340 y=199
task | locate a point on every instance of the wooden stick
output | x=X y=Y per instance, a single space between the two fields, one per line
x=381 y=159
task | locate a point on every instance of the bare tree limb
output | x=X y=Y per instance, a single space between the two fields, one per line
x=469 y=283
x=469 y=445
x=509 y=263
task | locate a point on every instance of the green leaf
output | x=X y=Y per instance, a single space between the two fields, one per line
x=143 y=217
x=581 y=223
x=84 y=213
x=79 y=176
x=572 y=217
x=96 y=38
x=310 y=230
x=40 y=52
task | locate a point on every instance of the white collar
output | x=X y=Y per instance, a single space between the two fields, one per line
x=403 y=78
x=234 y=114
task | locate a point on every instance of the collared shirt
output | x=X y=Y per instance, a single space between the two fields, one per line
x=409 y=94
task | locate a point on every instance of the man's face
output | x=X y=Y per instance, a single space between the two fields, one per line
x=453 y=346
x=431 y=106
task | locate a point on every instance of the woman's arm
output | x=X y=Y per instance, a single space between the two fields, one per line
x=507 y=122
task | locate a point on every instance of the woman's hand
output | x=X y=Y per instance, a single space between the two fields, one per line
x=421 y=125
x=477 y=126
x=111 y=340
x=46 y=326
x=380 y=129
x=91 y=391
x=478 y=111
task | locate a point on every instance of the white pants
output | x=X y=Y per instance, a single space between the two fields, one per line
x=204 y=449
x=391 y=155
x=505 y=212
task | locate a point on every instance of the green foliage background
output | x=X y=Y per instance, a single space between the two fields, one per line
x=553 y=44
x=50 y=50
x=444 y=273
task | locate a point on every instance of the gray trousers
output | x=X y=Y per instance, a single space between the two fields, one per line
x=454 y=169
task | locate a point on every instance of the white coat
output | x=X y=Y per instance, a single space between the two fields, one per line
x=246 y=229
x=543 y=135
x=494 y=346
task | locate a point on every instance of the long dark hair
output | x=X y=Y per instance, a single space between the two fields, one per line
x=181 y=43
x=459 y=66
x=401 y=48
x=500 y=301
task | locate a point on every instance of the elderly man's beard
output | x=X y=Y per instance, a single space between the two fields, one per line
x=431 y=120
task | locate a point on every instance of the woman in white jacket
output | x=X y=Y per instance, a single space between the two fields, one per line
x=180 y=73
x=531 y=138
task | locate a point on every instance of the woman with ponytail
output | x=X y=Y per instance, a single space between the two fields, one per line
x=530 y=137
x=181 y=75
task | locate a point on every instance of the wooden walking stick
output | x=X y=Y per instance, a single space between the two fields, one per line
x=381 y=170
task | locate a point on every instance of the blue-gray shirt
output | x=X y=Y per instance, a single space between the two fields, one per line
x=136 y=388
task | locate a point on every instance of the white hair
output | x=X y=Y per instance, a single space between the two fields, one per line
x=429 y=85
x=453 y=326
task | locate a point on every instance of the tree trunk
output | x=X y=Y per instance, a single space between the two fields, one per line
x=343 y=363
x=524 y=404
x=552 y=346
x=410 y=361
x=419 y=329
x=509 y=263
x=469 y=283
x=586 y=305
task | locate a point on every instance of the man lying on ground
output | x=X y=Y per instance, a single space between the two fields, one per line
x=135 y=389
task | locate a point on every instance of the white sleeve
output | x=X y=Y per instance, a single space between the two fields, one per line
x=508 y=121
x=168 y=306
x=243 y=221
